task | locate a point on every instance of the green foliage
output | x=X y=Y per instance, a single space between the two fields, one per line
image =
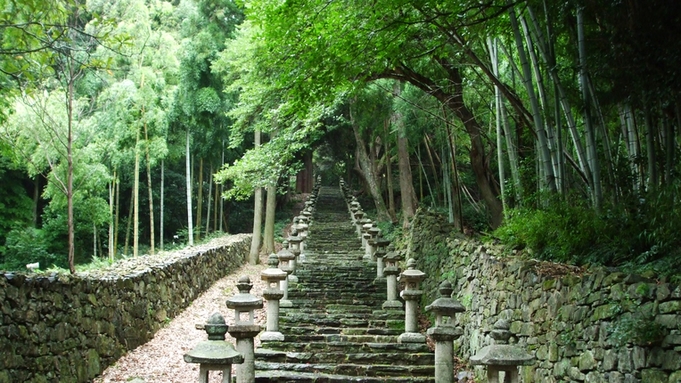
x=639 y=328
x=28 y=245
x=639 y=235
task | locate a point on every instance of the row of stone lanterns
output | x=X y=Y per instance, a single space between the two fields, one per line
x=216 y=354
x=499 y=357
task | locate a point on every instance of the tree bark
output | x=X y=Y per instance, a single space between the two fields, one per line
x=210 y=195
x=270 y=210
x=152 y=240
x=592 y=153
x=199 y=203
x=367 y=171
x=455 y=102
x=188 y=178
x=254 y=253
x=407 y=194
x=160 y=223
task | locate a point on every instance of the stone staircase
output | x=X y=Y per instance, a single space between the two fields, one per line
x=336 y=330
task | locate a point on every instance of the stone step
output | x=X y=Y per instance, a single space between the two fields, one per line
x=347 y=347
x=330 y=338
x=301 y=330
x=273 y=376
x=394 y=358
x=390 y=320
x=336 y=330
x=351 y=369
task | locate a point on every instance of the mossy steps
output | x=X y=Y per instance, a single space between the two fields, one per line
x=336 y=330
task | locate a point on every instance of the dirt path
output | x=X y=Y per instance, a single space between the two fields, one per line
x=161 y=359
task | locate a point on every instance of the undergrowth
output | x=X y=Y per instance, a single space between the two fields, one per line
x=638 y=236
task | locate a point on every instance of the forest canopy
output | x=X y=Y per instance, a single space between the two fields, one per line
x=549 y=125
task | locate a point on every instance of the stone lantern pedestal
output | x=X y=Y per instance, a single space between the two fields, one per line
x=245 y=329
x=444 y=332
x=391 y=271
x=502 y=356
x=272 y=276
x=295 y=242
x=286 y=261
x=214 y=354
x=411 y=295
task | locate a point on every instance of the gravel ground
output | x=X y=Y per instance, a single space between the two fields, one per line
x=161 y=359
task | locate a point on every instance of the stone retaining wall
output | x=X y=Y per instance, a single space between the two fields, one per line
x=583 y=325
x=64 y=328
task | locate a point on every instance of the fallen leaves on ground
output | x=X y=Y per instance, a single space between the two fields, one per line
x=161 y=359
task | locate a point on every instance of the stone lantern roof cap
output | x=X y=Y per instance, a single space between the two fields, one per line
x=445 y=304
x=285 y=254
x=294 y=238
x=411 y=274
x=273 y=273
x=502 y=354
x=392 y=256
x=215 y=350
x=244 y=299
x=382 y=242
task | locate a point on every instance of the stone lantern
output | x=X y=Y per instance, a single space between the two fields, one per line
x=502 y=356
x=366 y=236
x=286 y=259
x=444 y=332
x=373 y=233
x=380 y=245
x=295 y=243
x=273 y=293
x=391 y=271
x=302 y=233
x=411 y=295
x=245 y=329
x=214 y=354
x=359 y=216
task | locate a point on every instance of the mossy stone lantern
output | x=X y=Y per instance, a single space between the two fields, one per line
x=411 y=295
x=502 y=356
x=444 y=332
x=214 y=354
x=244 y=330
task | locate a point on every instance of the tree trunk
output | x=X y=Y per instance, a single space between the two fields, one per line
x=36 y=200
x=161 y=215
x=69 y=175
x=127 y=229
x=592 y=153
x=215 y=208
x=152 y=240
x=367 y=171
x=270 y=210
x=426 y=141
x=565 y=104
x=389 y=171
x=136 y=190
x=112 y=188
x=210 y=195
x=455 y=188
x=254 y=254
x=650 y=148
x=455 y=102
x=222 y=189
x=407 y=194
x=199 y=203
x=544 y=152
x=118 y=210
x=190 y=224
